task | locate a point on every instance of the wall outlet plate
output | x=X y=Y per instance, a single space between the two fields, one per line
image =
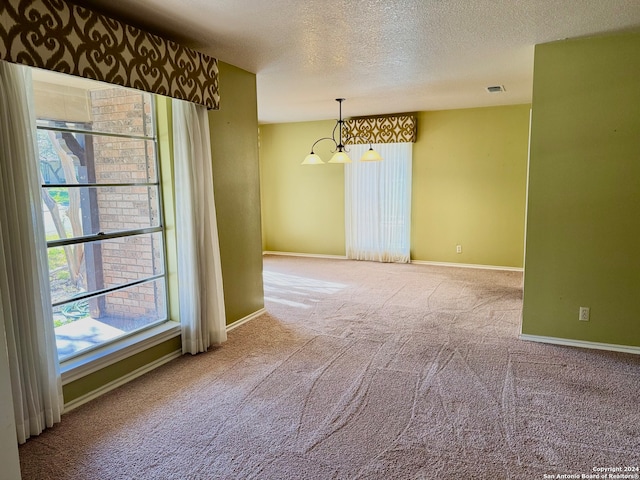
x=458 y=248
x=583 y=315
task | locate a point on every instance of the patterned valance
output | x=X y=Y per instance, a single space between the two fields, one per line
x=57 y=35
x=391 y=129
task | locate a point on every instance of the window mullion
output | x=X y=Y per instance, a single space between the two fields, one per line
x=97 y=293
x=62 y=242
x=97 y=185
x=96 y=133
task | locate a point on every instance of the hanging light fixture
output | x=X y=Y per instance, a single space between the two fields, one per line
x=340 y=155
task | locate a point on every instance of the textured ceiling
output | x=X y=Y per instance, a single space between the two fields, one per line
x=383 y=56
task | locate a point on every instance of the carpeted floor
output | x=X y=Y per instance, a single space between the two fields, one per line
x=362 y=370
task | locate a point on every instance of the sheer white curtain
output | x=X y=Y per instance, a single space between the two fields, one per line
x=201 y=295
x=378 y=204
x=25 y=306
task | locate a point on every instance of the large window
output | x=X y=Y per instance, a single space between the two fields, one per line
x=101 y=203
x=378 y=204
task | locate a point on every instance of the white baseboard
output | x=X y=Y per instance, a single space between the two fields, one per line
x=468 y=265
x=417 y=262
x=581 y=344
x=75 y=403
x=309 y=255
x=246 y=319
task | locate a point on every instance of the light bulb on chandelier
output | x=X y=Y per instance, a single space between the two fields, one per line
x=340 y=155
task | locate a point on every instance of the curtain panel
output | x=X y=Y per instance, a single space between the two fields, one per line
x=378 y=204
x=201 y=295
x=388 y=129
x=60 y=36
x=25 y=301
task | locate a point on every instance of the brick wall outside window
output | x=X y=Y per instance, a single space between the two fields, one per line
x=119 y=160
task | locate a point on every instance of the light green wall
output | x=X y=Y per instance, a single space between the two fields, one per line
x=236 y=181
x=584 y=191
x=303 y=205
x=469 y=179
x=469 y=186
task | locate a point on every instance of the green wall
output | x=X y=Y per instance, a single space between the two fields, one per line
x=236 y=183
x=469 y=186
x=469 y=181
x=303 y=205
x=584 y=191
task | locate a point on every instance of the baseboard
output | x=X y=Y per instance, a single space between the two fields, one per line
x=468 y=265
x=581 y=344
x=309 y=255
x=81 y=400
x=246 y=319
x=417 y=262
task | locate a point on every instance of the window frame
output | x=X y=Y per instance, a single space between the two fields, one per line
x=79 y=370
x=84 y=361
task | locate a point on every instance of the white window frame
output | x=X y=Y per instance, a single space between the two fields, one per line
x=100 y=356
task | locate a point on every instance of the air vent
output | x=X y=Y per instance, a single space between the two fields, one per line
x=496 y=89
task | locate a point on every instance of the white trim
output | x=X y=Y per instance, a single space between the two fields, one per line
x=100 y=358
x=581 y=343
x=526 y=197
x=246 y=319
x=468 y=265
x=81 y=400
x=309 y=255
x=417 y=262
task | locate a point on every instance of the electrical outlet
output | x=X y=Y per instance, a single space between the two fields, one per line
x=583 y=316
x=458 y=248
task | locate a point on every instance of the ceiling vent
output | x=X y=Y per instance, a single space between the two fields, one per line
x=496 y=89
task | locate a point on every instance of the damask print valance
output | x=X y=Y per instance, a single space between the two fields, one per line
x=388 y=129
x=58 y=35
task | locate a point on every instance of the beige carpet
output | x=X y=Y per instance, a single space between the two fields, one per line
x=362 y=370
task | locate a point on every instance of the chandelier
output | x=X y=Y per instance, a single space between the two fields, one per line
x=340 y=152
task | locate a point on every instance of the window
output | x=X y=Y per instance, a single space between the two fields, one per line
x=378 y=204
x=101 y=202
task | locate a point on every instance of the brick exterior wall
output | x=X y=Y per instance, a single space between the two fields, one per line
x=118 y=160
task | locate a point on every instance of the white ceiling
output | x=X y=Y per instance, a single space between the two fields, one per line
x=383 y=56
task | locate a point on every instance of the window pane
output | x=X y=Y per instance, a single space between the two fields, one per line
x=103 y=264
x=68 y=158
x=71 y=212
x=88 y=323
x=98 y=170
x=91 y=105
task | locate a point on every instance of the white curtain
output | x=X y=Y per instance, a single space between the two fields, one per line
x=25 y=306
x=201 y=295
x=378 y=204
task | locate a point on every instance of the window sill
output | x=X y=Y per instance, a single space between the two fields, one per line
x=83 y=365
